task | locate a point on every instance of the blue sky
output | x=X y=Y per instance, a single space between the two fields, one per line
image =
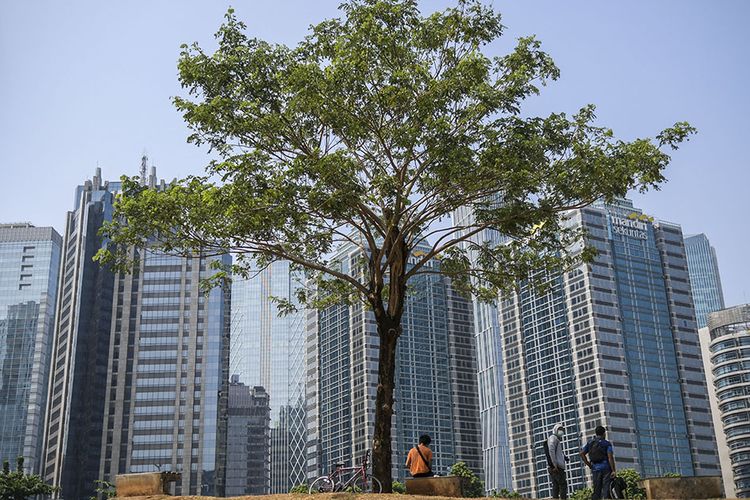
x=88 y=83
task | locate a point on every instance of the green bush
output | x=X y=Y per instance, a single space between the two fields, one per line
x=672 y=474
x=473 y=488
x=505 y=493
x=632 y=480
x=18 y=485
x=103 y=488
x=300 y=488
x=582 y=494
x=398 y=487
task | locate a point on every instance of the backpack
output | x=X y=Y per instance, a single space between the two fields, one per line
x=597 y=453
x=617 y=488
x=545 y=445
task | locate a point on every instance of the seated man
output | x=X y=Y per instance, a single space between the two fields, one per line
x=419 y=460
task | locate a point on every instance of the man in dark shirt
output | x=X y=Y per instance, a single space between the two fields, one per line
x=598 y=455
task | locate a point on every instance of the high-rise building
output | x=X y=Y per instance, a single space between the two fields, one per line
x=268 y=351
x=493 y=416
x=29 y=268
x=140 y=366
x=77 y=383
x=167 y=375
x=730 y=363
x=248 y=453
x=705 y=281
x=610 y=343
x=435 y=378
x=722 y=448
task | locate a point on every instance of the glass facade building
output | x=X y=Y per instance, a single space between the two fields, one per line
x=29 y=269
x=168 y=373
x=611 y=343
x=77 y=383
x=436 y=390
x=268 y=351
x=493 y=414
x=730 y=365
x=248 y=453
x=705 y=280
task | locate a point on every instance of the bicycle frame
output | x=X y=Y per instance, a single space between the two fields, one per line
x=359 y=471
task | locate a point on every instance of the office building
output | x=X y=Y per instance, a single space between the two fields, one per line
x=77 y=383
x=268 y=351
x=493 y=416
x=167 y=372
x=29 y=269
x=729 y=351
x=704 y=277
x=436 y=391
x=248 y=454
x=611 y=343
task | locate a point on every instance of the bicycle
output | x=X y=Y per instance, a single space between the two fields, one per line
x=360 y=482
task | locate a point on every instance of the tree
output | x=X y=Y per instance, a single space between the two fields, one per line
x=370 y=132
x=18 y=485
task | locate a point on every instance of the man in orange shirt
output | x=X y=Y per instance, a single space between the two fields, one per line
x=419 y=460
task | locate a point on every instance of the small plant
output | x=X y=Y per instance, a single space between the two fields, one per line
x=103 y=488
x=672 y=474
x=506 y=493
x=398 y=487
x=633 y=481
x=473 y=487
x=300 y=488
x=18 y=485
x=582 y=494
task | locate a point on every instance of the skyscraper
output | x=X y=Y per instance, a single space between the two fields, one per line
x=77 y=383
x=167 y=373
x=705 y=280
x=435 y=378
x=722 y=448
x=614 y=343
x=268 y=351
x=730 y=362
x=29 y=268
x=493 y=414
x=248 y=453
x=141 y=362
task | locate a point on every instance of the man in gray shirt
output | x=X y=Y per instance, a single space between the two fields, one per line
x=557 y=463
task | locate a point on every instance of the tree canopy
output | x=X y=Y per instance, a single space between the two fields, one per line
x=372 y=131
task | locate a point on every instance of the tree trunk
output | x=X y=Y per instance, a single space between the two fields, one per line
x=388 y=331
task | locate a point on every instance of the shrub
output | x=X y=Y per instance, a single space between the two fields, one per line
x=505 y=493
x=398 y=487
x=300 y=488
x=582 y=494
x=18 y=485
x=632 y=480
x=473 y=486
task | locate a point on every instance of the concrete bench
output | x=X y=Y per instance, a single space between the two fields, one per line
x=443 y=486
x=144 y=484
x=683 y=488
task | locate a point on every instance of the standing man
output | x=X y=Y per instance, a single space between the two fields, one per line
x=557 y=461
x=601 y=461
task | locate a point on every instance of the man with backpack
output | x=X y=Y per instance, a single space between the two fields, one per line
x=598 y=455
x=419 y=459
x=556 y=459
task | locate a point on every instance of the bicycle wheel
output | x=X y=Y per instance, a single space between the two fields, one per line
x=321 y=485
x=372 y=486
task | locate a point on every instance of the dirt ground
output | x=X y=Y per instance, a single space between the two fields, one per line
x=301 y=496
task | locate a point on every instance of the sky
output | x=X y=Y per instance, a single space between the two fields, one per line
x=89 y=83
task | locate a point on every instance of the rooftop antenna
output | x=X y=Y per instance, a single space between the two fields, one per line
x=144 y=164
